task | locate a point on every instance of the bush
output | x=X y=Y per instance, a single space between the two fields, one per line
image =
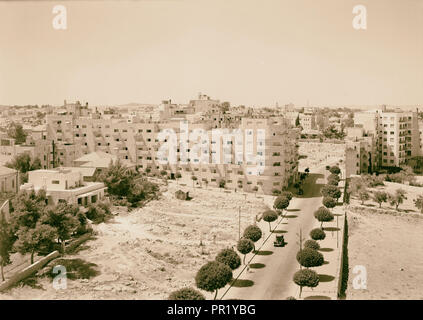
x=312 y=244
x=229 y=257
x=186 y=294
x=253 y=233
x=306 y=278
x=308 y=257
x=317 y=234
x=213 y=276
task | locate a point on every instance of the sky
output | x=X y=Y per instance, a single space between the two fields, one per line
x=250 y=52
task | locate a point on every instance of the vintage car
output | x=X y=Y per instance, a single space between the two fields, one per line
x=279 y=242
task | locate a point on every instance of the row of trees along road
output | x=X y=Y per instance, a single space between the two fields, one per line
x=216 y=274
x=309 y=256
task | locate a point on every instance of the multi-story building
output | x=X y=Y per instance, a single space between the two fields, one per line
x=396 y=133
x=139 y=142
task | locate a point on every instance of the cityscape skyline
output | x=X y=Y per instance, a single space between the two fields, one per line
x=174 y=49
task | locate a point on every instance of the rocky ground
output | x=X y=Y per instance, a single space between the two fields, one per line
x=389 y=244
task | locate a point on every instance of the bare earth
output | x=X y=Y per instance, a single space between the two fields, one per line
x=148 y=253
x=390 y=246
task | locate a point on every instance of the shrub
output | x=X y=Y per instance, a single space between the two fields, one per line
x=270 y=216
x=253 y=233
x=333 y=179
x=306 y=278
x=308 y=257
x=186 y=294
x=229 y=257
x=323 y=215
x=96 y=213
x=245 y=246
x=317 y=234
x=213 y=276
x=313 y=244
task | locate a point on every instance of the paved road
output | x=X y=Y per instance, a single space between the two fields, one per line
x=272 y=271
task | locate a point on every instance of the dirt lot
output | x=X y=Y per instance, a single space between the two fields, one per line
x=390 y=245
x=147 y=253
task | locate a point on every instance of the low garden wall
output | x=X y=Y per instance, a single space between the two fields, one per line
x=26 y=272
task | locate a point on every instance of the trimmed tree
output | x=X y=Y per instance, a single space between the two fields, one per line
x=317 y=234
x=186 y=294
x=379 y=197
x=245 y=246
x=329 y=202
x=308 y=257
x=281 y=203
x=213 y=276
x=333 y=179
x=331 y=191
x=335 y=170
x=229 y=257
x=313 y=244
x=270 y=216
x=306 y=278
x=323 y=215
x=253 y=233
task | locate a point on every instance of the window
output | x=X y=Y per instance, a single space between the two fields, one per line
x=55 y=182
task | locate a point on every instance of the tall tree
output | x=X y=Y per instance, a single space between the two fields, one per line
x=397 y=198
x=16 y=131
x=63 y=218
x=35 y=240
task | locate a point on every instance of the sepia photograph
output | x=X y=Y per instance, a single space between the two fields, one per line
x=216 y=150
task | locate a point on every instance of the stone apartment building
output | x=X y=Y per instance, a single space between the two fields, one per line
x=138 y=142
x=396 y=134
